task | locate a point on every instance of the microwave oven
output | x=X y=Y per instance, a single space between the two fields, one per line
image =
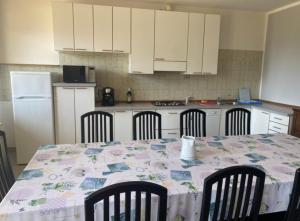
x=78 y=74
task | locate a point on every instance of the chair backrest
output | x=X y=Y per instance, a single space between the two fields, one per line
x=146 y=125
x=293 y=212
x=7 y=177
x=233 y=203
x=193 y=123
x=237 y=122
x=115 y=191
x=96 y=126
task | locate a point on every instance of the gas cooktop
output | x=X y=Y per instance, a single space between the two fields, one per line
x=168 y=103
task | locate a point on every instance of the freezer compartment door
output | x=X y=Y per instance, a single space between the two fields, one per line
x=33 y=126
x=31 y=84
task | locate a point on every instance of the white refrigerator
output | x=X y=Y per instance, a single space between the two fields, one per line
x=33 y=112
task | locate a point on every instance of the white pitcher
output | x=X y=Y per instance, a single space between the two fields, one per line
x=187 y=148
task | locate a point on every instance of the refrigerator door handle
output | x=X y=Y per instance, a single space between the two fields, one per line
x=31 y=97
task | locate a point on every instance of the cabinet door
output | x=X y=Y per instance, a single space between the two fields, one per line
x=64 y=115
x=103 y=33
x=171 y=35
x=83 y=27
x=213 y=118
x=84 y=102
x=142 y=41
x=63 y=25
x=211 y=44
x=170 y=119
x=195 y=43
x=259 y=121
x=123 y=125
x=121 y=30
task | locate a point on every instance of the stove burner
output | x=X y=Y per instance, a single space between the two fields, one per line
x=168 y=103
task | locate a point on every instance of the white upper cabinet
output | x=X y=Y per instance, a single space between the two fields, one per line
x=142 y=41
x=103 y=33
x=121 y=29
x=171 y=36
x=83 y=27
x=211 y=44
x=63 y=25
x=195 y=43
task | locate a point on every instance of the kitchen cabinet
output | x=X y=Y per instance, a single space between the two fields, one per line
x=63 y=26
x=170 y=118
x=195 y=43
x=142 y=41
x=211 y=44
x=70 y=103
x=213 y=117
x=123 y=125
x=171 y=36
x=121 y=29
x=83 y=27
x=103 y=28
x=259 y=121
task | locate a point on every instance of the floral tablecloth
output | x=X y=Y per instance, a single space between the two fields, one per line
x=55 y=182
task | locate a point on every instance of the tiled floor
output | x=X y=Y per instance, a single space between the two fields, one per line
x=16 y=168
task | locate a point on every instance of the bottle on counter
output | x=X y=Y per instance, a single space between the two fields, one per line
x=129 y=95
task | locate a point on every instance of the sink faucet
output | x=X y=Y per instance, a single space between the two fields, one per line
x=187 y=99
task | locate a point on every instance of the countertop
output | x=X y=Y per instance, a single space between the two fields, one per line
x=123 y=106
x=63 y=84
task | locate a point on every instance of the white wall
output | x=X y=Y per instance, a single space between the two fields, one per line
x=26 y=35
x=281 y=72
x=26 y=29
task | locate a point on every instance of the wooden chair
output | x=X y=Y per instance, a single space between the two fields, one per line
x=293 y=212
x=193 y=123
x=146 y=125
x=96 y=126
x=128 y=187
x=234 y=204
x=7 y=177
x=237 y=122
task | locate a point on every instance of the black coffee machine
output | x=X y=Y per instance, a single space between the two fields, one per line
x=108 y=96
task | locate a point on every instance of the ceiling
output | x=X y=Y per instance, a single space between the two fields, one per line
x=253 y=5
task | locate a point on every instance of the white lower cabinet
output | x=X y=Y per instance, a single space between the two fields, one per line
x=123 y=125
x=170 y=119
x=212 y=122
x=259 y=121
x=70 y=103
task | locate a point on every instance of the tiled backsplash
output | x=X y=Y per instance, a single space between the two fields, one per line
x=236 y=69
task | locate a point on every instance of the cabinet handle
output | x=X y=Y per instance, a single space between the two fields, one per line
x=277 y=118
x=106 y=50
x=120 y=111
x=197 y=72
x=159 y=59
x=172 y=113
x=172 y=133
x=68 y=88
x=80 y=49
x=68 y=49
x=118 y=51
x=265 y=113
x=82 y=88
x=277 y=128
x=137 y=72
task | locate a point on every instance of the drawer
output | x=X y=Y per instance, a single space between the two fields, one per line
x=210 y=112
x=170 y=134
x=278 y=128
x=281 y=119
x=170 y=118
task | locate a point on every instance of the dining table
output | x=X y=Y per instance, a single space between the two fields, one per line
x=56 y=181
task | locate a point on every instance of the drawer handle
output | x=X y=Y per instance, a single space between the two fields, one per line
x=265 y=113
x=137 y=72
x=68 y=49
x=68 y=88
x=197 y=72
x=80 y=49
x=172 y=113
x=277 y=128
x=277 y=118
x=118 y=51
x=172 y=133
x=106 y=50
x=159 y=59
x=120 y=111
x=82 y=88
